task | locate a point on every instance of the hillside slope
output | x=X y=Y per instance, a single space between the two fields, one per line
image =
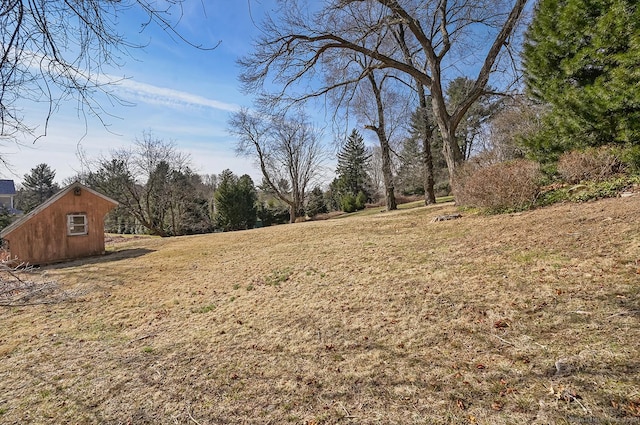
x=524 y=318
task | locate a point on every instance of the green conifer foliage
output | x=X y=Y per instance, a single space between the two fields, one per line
x=37 y=187
x=353 y=161
x=316 y=203
x=582 y=58
x=235 y=202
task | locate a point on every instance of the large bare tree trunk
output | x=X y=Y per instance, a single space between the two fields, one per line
x=427 y=31
x=387 y=174
x=427 y=156
x=446 y=124
x=427 y=131
x=450 y=148
x=292 y=214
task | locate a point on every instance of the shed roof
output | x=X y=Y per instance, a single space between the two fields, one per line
x=50 y=201
x=7 y=187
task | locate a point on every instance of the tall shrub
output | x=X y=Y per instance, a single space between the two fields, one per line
x=506 y=186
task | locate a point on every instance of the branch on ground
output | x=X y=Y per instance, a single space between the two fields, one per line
x=23 y=285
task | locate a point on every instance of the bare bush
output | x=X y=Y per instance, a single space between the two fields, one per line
x=506 y=186
x=593 y=164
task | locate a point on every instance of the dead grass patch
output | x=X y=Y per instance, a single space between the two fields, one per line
x=386 y=318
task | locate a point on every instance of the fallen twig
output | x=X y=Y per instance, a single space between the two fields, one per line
x=504 y=340
x=18 y=289
x=142 y=337
x=624 y=313
x=194 y=421
x=574 y=398
x=544 y=347
x=446 y=217
x=346 y=412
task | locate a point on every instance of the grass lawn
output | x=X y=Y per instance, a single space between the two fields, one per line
x=383 y=318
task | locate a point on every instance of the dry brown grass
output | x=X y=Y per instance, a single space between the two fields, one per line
x=382 y=319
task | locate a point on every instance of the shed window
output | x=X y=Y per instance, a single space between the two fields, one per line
x=76 y=224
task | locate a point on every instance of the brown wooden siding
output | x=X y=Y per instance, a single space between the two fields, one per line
x=43 y=238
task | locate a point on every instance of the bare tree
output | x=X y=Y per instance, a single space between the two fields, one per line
x=378 y=124
x=437 y=32
x=518 y=119
x=55 y=49
x=288 y=151
x=148 y=182
x=375 y=171
x=426 y=124
x=377 y=98
x=379 y=102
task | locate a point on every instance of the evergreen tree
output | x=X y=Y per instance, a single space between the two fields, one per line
x=332 y=196
x=582 y=58
x=411 y=170
x=235 y=202
x=353 y=162
x=158 y=198
x=6 y=218
x=316 y=204
x=410 y=175
x=113 y=179
x=187 y=205
x=37 y=187
x=193 y=198
x=273 y=211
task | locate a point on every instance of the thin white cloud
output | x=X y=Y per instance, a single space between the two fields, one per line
x=155 y=95
x=129 y=88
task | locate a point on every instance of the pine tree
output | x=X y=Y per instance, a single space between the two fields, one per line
x=316 y=204
x=411 y=171
x=6 y=217
x=235 y=202
x=410 y=175
x=582 y=58
x=247 y=196
x=37 y=187
x=353 y=161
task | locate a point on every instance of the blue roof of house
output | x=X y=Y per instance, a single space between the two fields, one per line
x=7 y=187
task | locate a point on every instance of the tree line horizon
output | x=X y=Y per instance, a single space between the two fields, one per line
x=438 y=83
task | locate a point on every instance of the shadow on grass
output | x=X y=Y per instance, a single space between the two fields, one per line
x=108 y=257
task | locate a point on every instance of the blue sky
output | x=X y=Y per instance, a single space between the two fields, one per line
x=178 y=93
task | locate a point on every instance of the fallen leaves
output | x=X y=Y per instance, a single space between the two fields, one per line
x=502 y=323
x=627 y=407
x=569 y=395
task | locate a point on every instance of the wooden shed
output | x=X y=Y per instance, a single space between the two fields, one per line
x=67 y=226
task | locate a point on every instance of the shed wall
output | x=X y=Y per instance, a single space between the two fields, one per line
x=43 y=238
